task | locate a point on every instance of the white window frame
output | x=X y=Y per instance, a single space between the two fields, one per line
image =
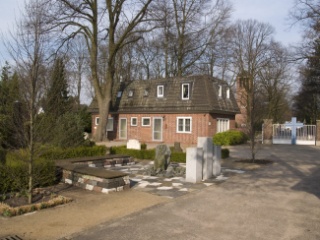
x=160 y=93
x=184 y=124
x=126 y=130
x=182 y=91
x=142 y=121
x=223 y=124
x=96 y=121
x=220 y=91
x=161 y=128
x=228 y=93
x=132 y=121
x=110 y=124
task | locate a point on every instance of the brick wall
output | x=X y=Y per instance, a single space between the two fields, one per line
x=203 y=125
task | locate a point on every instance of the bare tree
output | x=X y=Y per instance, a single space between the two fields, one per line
x=307 y=14
x=112 y=24
x=215 y=59
x=275 y=81
x=77 y=65
x=251 y=50
x=28 y=49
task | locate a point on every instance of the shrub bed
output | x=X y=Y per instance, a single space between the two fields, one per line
x=8 y=211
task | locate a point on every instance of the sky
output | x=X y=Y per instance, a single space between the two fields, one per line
x=274 y=12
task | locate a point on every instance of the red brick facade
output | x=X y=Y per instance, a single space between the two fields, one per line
x=203 y=125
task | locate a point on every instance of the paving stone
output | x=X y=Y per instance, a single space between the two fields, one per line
x=169 y=187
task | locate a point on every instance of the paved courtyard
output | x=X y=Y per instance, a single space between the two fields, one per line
x=279 y=201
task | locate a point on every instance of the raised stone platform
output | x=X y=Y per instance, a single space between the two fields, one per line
x=90 y=173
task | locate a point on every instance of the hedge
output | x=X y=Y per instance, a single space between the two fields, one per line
x=14 y=174
x=147 y=154
x=231 y=137
x=56 y=153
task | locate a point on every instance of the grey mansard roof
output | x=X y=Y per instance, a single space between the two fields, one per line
x=141 y=97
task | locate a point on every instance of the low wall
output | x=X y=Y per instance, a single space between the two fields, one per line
x=91 y=173
x=94 y=183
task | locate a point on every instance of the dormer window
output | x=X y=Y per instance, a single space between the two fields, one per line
x=185 y=93
x=130 y=93
x=160 y=91
x=119 y=94
x=220 y=91
x=228 y=93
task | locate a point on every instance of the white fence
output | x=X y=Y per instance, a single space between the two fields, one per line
x=305 y=135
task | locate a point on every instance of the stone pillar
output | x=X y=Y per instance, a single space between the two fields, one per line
x=194 y=164
x=216 y=160
x=206 y=144
x=318 y=133
x=267 y=131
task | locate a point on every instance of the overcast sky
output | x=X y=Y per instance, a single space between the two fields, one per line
x=274 y=12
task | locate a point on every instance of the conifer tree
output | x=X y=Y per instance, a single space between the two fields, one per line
x=307 y=101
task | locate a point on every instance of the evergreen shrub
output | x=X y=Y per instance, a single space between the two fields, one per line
x=231 y=137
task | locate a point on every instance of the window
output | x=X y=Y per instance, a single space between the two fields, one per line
x=228 y=93
x=222 y=125
x=130 y=93
x=119 y=94
x=220 y=91
x=145 y=121
x=97 y=120
x=185 y=91
x=145 y=93
x=134 y=121
x=160 y=91
x=110 y=125
x=184 y=124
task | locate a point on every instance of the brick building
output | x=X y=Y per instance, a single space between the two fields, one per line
x=170 y=110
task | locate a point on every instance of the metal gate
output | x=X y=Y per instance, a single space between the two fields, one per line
x=300 y=135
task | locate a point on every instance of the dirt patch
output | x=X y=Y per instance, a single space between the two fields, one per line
x=87 y=210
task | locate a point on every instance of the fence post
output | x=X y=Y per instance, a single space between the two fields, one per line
x=318 y=133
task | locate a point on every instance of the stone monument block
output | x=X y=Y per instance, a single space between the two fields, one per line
x=133 y=144
x=177 y=147
x=162 y=158
x=194 y=164
x=206 y=144
x=216 y=170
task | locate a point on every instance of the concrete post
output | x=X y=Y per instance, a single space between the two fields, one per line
x=216 y=160
x=206 y=144
x=194 y=164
